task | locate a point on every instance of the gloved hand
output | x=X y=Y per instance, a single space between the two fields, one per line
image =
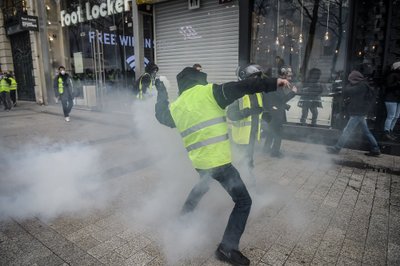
x=159 y=85
x=287 y=107
x=251 y=111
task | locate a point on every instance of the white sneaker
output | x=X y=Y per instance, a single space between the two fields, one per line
x=67 y=119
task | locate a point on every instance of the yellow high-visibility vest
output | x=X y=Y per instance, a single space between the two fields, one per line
x=241 y=129
x=140 y=94
x=4 y=85
x=13 y=85
x=60 y=85
x=203 y=127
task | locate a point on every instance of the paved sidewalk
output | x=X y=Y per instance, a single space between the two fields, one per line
x=309 y=208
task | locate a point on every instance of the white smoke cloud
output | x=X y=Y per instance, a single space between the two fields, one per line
x=46 y=180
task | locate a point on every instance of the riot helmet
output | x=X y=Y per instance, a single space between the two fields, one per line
x=248 y=71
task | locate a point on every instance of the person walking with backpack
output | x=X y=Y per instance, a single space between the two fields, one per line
x=359 y=96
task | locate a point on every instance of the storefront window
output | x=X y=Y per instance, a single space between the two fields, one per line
x=310 y=37
x=101 y=43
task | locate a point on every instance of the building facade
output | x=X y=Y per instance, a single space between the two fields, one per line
x=97 y=41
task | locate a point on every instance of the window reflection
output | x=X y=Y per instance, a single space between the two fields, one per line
x=304 y=35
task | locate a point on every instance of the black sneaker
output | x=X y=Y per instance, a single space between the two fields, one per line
x=232 y=256
x=332 y=150
x=388 y=136
x=373 y=153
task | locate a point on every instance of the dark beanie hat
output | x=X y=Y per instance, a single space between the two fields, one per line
x=190 y=77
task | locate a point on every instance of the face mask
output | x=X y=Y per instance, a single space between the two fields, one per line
x=62 y=72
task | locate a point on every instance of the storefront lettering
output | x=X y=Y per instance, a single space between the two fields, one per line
x=113 y=39
x=111 y=7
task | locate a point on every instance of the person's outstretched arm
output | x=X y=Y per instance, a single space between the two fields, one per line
x=163 y=114
x=227 y=93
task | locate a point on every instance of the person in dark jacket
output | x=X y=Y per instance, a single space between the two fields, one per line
x=145 y=82
x=392 y=101
x=63 y=85
x=275 y=106
x=199 y=115
x=358 y=96
x=310 y=99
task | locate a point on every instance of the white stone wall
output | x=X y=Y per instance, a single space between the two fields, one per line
x=6 y=60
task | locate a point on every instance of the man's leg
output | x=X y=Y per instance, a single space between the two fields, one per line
x=70 y=104
x=304 y=112
x=351 y=125
x=371 y=138
x=64 y=102
x=314 y=112
x=230 y=180
x=197 y=192
x=277 y=135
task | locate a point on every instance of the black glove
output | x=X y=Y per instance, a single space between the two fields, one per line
x=251 y=111
x=267 y=117
x=160 y=85
x=287 y=107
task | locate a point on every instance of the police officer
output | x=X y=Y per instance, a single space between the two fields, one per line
x=5 y=83
x=245 y=114
x=145 y=82
x=199 y=115
x=64 y=87
x=13 y=89
x=275 y=106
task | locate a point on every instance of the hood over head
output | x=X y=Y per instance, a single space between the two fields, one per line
x=190 y=77
x=355 y=77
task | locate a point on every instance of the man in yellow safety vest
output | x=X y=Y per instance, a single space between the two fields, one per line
x=199 y=115
x=5 y=83
x=63 y=85
x=245 y=116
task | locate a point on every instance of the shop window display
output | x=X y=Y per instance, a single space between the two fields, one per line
x=310 y=37
x=101 y=44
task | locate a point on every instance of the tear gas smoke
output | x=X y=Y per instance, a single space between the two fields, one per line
x=46 y=180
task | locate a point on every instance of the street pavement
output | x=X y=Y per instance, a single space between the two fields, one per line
x=107 y=188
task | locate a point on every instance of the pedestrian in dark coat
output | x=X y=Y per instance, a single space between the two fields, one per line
x=392 y=100
x=358 y=96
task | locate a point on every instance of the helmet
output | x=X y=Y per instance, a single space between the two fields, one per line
x=248 y=71
x=285 y=71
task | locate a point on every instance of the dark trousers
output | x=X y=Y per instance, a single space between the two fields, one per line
x=230 y=180
x=13 y=96
x=5 y=98
x=67 y=103
x=273 y=137
x=313 y=107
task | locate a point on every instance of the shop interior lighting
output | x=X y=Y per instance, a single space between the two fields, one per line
x=326 y=37
x=47 y=7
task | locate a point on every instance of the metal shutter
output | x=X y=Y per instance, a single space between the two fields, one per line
x=212 y=39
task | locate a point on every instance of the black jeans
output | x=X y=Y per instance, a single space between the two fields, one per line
x=230 y=180
x=5 y=97
x=67 y=103
x=273 y=139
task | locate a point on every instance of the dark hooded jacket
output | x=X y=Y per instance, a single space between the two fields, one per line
x=392 y=89
x=358 y=96
x=224 y=94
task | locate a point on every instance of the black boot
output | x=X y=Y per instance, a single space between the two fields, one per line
x=388 y=136
x=232 y=256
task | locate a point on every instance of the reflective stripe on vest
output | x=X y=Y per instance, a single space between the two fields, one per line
x=241 y=129
x=4 y=85
x=60 y=85
x=13 y=85
x=203 y=127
